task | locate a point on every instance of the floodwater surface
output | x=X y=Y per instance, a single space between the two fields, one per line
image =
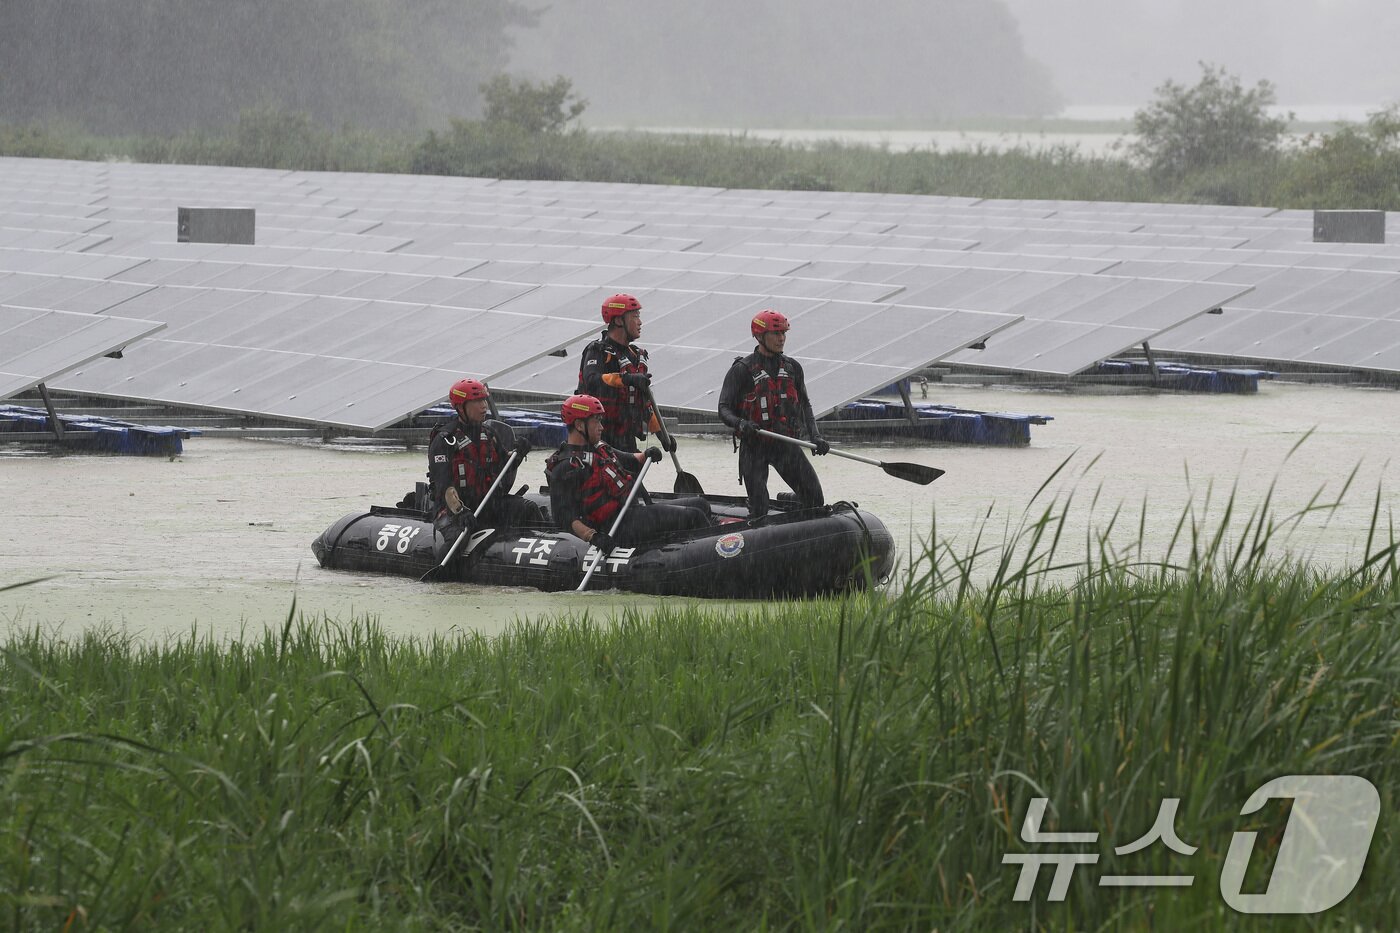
x=219 y=539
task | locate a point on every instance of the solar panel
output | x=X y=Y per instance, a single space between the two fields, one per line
x=39 y=345
x=277 y=358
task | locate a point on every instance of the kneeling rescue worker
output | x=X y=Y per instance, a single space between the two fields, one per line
x=766 y=390
x=589 y=481
x=464 y=458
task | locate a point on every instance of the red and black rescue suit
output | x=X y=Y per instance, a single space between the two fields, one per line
x=469 y=457
x=591 y=484
x=769 y=392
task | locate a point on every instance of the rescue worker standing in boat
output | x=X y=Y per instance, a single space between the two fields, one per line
x=766 y=390
x=614 y=371
x=589 y=482
x=464 y=458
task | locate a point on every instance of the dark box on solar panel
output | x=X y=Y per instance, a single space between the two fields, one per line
x=1348 y=226
x=214 y=225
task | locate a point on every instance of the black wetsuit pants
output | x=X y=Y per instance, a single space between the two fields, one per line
x=644 y=522
x=792 y=464
x=509 y=511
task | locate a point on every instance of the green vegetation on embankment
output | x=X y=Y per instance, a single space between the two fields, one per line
x=860 y=764
x=1354 y=170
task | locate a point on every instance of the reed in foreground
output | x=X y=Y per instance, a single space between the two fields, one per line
x=864 y=764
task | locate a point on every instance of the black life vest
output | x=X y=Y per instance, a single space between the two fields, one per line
x=624 y=409
x=771 y=402
x=605 y=485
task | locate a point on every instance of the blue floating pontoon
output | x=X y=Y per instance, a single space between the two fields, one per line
x=1184 y=378
x=85 y=432
x=945 y=423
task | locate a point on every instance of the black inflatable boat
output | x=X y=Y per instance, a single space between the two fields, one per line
x=790 y=553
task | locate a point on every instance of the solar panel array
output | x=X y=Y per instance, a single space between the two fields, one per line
x=366 y=295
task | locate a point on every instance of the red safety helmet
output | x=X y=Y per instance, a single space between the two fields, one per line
x=467 y=390
x=768 y=321
x=618 y=305
x=579 y=407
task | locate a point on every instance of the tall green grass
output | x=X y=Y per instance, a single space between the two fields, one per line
x=858 y=764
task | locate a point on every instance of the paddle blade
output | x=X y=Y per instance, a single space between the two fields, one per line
x=912 y=472
x=688 y=485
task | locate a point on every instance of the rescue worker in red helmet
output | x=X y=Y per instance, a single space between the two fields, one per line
x=589 y=481
x=766 y=390
x=465 y=455
x=613 y=370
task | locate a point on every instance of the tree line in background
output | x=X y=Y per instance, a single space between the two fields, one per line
x=1214 y=142
x=165 y=66
x=170 y=66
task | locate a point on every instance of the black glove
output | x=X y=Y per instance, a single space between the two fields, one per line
x=522 y=447
x=668 y=443
x=636 y=380
x=653 y=454
x=822 y=446
x=602 y=542
x=747 y=429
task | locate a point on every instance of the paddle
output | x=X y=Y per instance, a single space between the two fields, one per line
x=617 y=522
x=909 y=472
x=435 y=573
x=686 y=483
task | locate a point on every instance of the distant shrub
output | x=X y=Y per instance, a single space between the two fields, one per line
x=1214 y=123
x=801 y=181
x=1358 y=166
x=270 y=137
x=40 y=141
x=534 y=108
x=1244 y=181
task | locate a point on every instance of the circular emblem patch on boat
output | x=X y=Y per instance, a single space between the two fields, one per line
x=729 y=545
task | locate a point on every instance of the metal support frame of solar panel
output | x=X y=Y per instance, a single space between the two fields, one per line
x=692 y=338
x=39 y=345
